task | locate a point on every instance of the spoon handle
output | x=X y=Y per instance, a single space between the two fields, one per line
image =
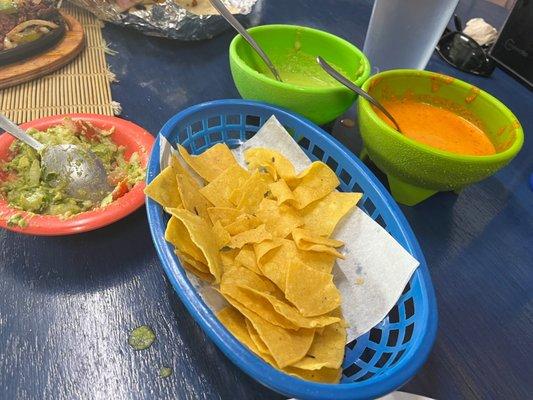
x=228 y=16
x=15 y=130
x=350 y=85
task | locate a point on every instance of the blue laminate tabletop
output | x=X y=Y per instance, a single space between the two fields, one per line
x=67 y=304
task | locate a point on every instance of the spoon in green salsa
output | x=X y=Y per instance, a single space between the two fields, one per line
x=75 y=169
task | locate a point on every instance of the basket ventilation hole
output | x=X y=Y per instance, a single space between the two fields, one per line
x=215 y=137
x=370 y=207
x=253 y=120
x=367 y=355
x=233 y=120
x=196 y=127
x=318 y=152
x=375 y=335
x=199 y=142
x=213 y=122
x=233 y=134
x=304 y=143
x=352 y=370
x=398 y=356
x=394 y=315
x=249 y=134
x=406 y=289
x=345 y=177
x=408 y=333
x=409 y=307
x=357 y=188
x=351 y=345
x=182 y=136
x=393 y=337
x=383 y=359
x=381 y=221
x=332 y=163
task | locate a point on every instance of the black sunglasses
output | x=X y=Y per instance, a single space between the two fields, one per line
x=463 y=52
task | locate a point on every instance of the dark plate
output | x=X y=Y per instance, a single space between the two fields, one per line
x=35 y=47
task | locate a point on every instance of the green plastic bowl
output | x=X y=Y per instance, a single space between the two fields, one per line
x=320 y=105
x=416 y=171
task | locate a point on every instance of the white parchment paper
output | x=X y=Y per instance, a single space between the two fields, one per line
x=376 y=268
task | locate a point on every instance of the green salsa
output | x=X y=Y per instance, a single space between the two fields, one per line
x=301 y=69
x=141 y=337
x=24 y=187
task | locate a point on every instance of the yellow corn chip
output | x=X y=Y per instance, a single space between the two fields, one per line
x=211 y=163
x=242 y=223
x=324 y=375
x=261 y=346
x=327 y=349
x=317 y=181
x=164 y=189
x=227 y=256
x=223 y=214
x=282 y=193
x=221 y=235
x=311 y=291
x=285 y=346
x=306 y=240
x=191 y=198
x=235 y=322
x=246 y=258
x=290 y=314
x=258 y=156
x=177 y=234
x=205 y=276
x=218 y=191
x=322 y=216
x=240 y=276
x=255 y=303
x=197 y=265
x=248 y=197
x=202 y=235
x=256 y=235
x=279 y=220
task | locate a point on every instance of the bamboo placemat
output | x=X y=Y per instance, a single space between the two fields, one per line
x=83 y=86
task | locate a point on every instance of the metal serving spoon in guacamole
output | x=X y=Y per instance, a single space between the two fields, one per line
x=78 y=170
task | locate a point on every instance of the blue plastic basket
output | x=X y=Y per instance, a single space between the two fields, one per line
x=376 y=363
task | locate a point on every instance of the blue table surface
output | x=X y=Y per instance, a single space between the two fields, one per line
x=67 y=304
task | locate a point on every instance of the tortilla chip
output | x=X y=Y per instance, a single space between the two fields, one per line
x=258 y=156
x=164 y=189
x=221 y=235
x=327 y=349
x=246 y=258
x=257 y=304
x=191 y=198
x=279 y=220
x=256 y=235
x=177 y=234
x=202 y=235
x=321 y=217
x=235 y=322
x=241 y=276
x=207 y=277
x=311 y=291
x=248 y=197
x=324 y=375
x=273 y=258
x=225 y=215
x=282 y=193
x=261 y=346
x=316 y=182
x=218 y=191
x=227 y=256
x=179 y=166
x=195 y=264
x=211 y=163
x=289 y=313
x=285 y=346
x=307 y=240
x=243 y=223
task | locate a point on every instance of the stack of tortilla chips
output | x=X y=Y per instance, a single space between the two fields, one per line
x=261 y=235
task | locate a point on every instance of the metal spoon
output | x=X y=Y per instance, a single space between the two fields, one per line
x=228 y=16
x=79 y=170
x=350 y=85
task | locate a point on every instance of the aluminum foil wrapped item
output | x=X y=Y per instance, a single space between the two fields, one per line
x=173 y=19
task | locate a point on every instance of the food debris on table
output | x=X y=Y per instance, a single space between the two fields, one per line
x=165 y=372
x=141 y=337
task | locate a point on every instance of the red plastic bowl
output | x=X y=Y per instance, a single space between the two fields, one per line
x=127 y=134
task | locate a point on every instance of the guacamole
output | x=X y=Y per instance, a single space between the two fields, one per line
x=24 y=187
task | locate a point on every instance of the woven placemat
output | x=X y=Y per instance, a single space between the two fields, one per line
x=83 y=86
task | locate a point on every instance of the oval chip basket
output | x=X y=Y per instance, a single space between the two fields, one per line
x=376 y=363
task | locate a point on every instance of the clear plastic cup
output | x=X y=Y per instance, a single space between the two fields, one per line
x=404 y=33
